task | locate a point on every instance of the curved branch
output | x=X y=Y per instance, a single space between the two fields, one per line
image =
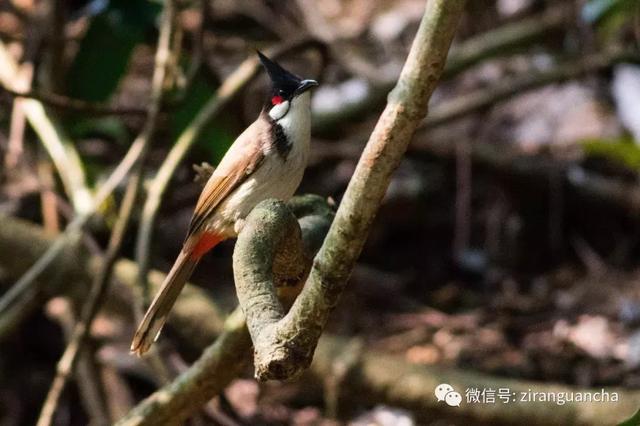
x=280 y=256
x=271 y=261
x=270 y=236
x=284 y=345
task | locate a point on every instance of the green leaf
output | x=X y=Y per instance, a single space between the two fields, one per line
x=106 y=48
x=623 y=150
x=101 y=61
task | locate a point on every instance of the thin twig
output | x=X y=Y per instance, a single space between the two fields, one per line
x=197 y=54
x=506 y=39
x=234 y=83
x=15 y=144
x=90 y=387
x=67 y=103
x=56 y=142
x=23 y=287
x=91 y=307
x=506 y=88
x=493 y=43
x=503 y=90
x=463 y=214
x=516 y=165
x=48 y=199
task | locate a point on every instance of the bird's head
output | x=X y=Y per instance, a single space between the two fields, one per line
x=285 y=88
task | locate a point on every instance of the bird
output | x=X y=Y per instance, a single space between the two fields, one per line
x=266 y=161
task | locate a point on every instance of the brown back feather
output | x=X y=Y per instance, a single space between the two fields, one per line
x=244 y=156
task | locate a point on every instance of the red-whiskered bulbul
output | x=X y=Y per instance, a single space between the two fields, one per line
x=266 y=161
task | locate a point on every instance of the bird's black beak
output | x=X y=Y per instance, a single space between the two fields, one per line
x=304 y=86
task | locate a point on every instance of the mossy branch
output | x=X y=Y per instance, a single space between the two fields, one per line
x=271 y=261
x=273 y=252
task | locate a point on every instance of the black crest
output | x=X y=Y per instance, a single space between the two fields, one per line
x=284 y=82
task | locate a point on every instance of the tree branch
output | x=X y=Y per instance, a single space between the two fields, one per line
x=264 y=247
x=377 y=377
x=463 y=56
x=506 y=39
x=22 y=242
x=272 y=256
x=374 y=377
x=64 y=102
x=515 y=165
x=53 y=138
x=284 y=345
x=506 y=88
x=218 y=365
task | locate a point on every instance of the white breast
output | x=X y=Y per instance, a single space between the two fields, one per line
x=276 y=177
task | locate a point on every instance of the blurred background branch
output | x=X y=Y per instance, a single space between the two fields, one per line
x=102 y=279
x=57 y=144
x=374 y=375
x=67 y=103
x=494 y=43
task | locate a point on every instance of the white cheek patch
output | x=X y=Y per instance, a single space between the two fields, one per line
x=279 y=111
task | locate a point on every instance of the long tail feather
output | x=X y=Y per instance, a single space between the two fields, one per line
x=153 y=321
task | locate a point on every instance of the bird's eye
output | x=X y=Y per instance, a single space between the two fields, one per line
x=277 y=100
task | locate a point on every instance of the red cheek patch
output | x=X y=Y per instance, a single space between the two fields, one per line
x=277 y=100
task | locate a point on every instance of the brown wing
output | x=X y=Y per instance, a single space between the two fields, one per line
x=242 y=158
